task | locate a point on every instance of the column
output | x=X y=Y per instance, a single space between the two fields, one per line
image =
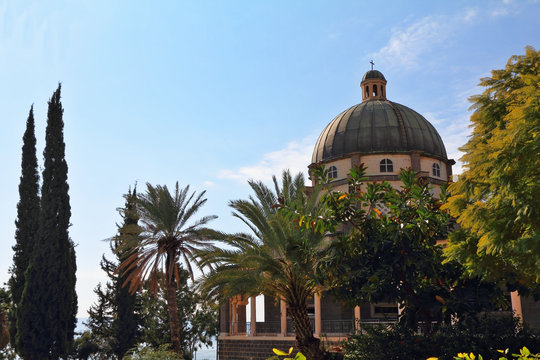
x=283 y=311
x=516 y=305
x=253 y=320
x=234 y=317
x=357 y=318
x=318 y=322
x=241 y=317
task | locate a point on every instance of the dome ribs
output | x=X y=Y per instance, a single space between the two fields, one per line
x=402 y=130
x=378 y=126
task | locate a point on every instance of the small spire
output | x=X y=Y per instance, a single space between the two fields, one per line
x=372 y=64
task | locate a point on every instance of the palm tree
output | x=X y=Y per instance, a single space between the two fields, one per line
x=169 y=235
x=276 y=259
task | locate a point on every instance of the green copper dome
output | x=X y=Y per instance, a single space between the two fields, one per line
x=378 y=126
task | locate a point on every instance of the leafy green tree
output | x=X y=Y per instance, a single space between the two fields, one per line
x=145 y=352
x=6 y=343
x=101 y=316
x=27 y=223
x=85 y=347
x=46 y=316
x=5 y=307
x=276 y=259
x=197 y=318
x=496 y=200
x=169 y=234
x=391 y=253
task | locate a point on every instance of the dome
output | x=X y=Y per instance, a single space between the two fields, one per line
x=373 y=74
x=378 y=126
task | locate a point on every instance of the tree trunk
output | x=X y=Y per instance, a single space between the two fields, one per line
x=172 y=309
x=307 y=344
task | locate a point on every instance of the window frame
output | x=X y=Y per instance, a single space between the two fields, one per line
x=332 y=172
x=386 y=166
x=436 y=170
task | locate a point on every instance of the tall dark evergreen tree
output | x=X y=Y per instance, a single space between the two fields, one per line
x=115 y=319
x=27 y=222
x=47 y=313
x=126 y=323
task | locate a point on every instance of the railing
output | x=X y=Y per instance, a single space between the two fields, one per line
x=239 y=328
x=329 y=327
x=337 y=327
x=268 y=328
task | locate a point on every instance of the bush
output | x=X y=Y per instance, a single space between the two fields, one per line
x=481 y=336
x=524 y=354
x=146 y=352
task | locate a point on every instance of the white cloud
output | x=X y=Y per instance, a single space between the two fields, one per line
x=431 y=118
x=499 y=12
x=470 y=15
x=508 y=7
x=208 y=183
x=406 y=46
x=295 y=157
x=333 y=36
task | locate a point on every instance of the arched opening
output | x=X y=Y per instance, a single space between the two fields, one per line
x=436 y=170
x=332 y=172
x=386 y=165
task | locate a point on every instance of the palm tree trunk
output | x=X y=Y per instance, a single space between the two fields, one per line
x=172 y=309
x=307 y=344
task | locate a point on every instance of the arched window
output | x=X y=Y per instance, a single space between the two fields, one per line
x=386 y=165
x=374 y=90
x=436 y=170
x=332 y=172
x=367 y=91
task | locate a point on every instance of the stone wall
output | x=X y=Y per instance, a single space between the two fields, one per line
x=531 y=311
x=257 y=349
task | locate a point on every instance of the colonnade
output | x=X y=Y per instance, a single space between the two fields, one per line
x=238 y=318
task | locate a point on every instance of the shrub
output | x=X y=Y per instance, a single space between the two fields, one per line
x=524 y=354
x=146 y=352
x=481 y=336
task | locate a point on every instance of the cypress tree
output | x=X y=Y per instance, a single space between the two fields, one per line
x=126 y=324
x=47 y=317
x=27 y=222
x=115 y=319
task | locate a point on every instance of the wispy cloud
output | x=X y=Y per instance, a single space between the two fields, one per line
x=295 y=157
x=333 y=36
x=470 y=15
x=406 y=46
x=432 y=118
x=499 y=12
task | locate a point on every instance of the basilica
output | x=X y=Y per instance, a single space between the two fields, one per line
x=386 y=137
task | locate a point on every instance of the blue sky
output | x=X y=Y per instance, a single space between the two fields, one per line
x=213 y=93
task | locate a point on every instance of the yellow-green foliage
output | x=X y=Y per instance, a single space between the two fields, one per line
x=524 y=354
x=496 y=198
x=287 y=355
